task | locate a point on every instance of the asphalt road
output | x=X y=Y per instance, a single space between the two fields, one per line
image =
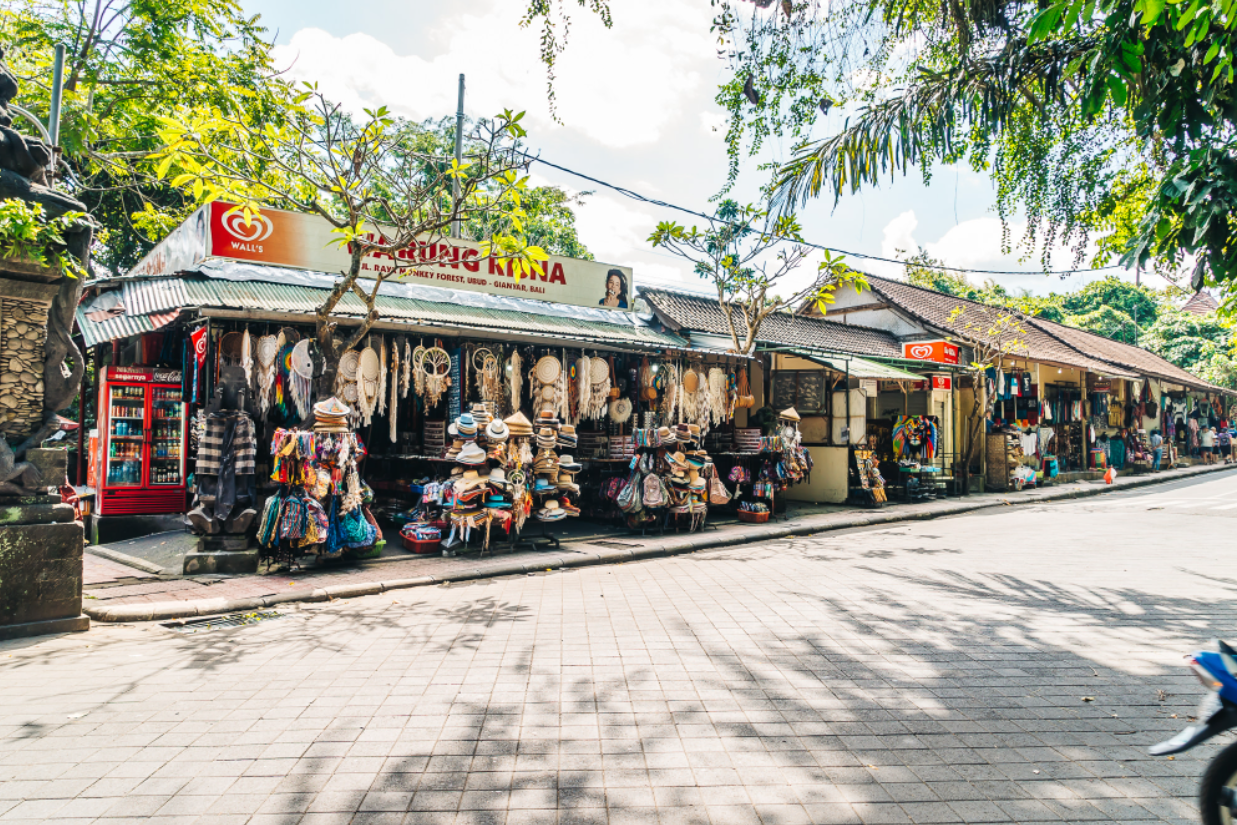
x=1006 y=666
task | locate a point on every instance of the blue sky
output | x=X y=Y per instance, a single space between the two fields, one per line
x=636 y=104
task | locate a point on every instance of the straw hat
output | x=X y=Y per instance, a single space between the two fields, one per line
x=498 y=478
x=517 y=425
x=470 y=479
x=790 y=414
x=568 y=464
x=677 y=460
x=471 y=454
x=496 y=431
x=466 y=424
x=331 y=416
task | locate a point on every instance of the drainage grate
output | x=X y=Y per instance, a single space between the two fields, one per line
x=614 y=543
x=221 y=622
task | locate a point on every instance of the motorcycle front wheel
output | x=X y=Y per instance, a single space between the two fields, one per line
x=1218 y=792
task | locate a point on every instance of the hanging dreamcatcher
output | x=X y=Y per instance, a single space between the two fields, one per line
x=301 y=378
x=435 y=372
x=564 y=398
x=267 y=351
x=488 y=375
x=670 y=396
x=718 y=393
x=583 y=383
x=545 y=383
x=599 y=389
x=418 y=377
x=369 y=380
x=346 y=377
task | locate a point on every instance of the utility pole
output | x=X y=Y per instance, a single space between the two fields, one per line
x=53 y=115
x=459 y=158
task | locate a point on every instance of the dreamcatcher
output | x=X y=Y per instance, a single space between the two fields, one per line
x=435 y=374
x=564 y=402
x=418 y=377
x=393 y=404
x=267 y=350
x=301 y=378
x=673 y=386
x=346 y=377
x=488 y=375
x=687 y=402
x=369 y=380
x=599 y=389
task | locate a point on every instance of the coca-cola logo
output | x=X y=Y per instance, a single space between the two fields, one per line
x=256 y=228
x=921 y=351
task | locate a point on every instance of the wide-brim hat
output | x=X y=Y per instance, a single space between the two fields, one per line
x=677 y=460
x=568 y=463
x=665 y=435
x=542 y=485
x=697 y=459
x=332 y=408
x=471 y=454
x=551 y=515
x=697 y=483
x=466 y=424
x=496 y=430
x=498 y=478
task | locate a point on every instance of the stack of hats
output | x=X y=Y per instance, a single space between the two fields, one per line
x=496 y=432
x=552 y=511
x=471 y=454
x=518 y=426
x=331 y=416
x=481 y=415
x=567 y=438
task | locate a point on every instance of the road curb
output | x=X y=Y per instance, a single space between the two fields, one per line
x=690 y=543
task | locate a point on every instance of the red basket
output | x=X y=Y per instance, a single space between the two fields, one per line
x=753 y=518
x=431 y=546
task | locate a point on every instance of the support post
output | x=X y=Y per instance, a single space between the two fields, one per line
x=459 y=157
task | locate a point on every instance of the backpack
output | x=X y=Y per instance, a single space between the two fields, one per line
x=654 y=491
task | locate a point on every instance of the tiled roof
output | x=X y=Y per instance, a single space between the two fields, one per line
x=934 y=308
x=1201 y=303
x=1046 y=340
x=702 y=314
x=1126 y=355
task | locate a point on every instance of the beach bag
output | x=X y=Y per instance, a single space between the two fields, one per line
x=629 y=499
x=718 y=494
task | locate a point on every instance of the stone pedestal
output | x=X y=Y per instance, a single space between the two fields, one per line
x=222 y=554
x=40 y=567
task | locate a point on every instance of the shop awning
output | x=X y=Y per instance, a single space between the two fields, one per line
x=279 y=295
x=856 y=366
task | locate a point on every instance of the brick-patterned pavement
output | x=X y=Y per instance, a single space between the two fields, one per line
x=926 y=672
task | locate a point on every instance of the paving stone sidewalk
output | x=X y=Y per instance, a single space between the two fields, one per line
x=110 y=597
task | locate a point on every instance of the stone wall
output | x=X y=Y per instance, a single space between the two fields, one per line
x=23 y=334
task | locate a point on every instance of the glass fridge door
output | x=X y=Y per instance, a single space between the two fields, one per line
x=167 y=433
x=126 y=435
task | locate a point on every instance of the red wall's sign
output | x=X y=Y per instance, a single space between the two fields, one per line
x=942 y=382
x=942 y=352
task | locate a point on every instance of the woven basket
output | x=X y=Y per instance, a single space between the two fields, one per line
x=753 y=518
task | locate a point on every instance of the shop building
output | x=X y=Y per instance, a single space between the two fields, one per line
x=468 y=407
x=1069 y=401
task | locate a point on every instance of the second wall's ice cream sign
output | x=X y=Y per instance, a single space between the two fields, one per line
x=292 y=239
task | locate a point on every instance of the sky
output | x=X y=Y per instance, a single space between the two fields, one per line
x=636 y=109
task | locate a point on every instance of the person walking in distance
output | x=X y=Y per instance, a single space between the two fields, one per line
x=1157 y=449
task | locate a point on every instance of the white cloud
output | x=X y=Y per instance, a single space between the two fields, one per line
x=619 y=87
x=898 y=237
x=713 y=123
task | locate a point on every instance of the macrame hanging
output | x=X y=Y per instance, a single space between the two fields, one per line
x=485 y=368
x=393 y=406
x=584 y=386
x=418 y=376
x=405 y=380
x=516 y=378
x=382 y=375
x=717 y=395
x=247 y=358
x=346 y=378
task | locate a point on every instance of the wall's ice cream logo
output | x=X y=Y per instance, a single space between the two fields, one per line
x=941 y=352
x=249 y=233
x=921 y=351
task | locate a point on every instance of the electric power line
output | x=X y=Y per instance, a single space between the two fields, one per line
x=713 y=219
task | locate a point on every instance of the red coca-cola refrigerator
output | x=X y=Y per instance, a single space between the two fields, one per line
x=143 y=429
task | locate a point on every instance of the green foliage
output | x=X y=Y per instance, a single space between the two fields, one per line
x=129 y=63
x=1202 y=344
x=26 y=233
x=747 y=253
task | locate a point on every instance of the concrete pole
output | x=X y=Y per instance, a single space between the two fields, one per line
x=459 y=157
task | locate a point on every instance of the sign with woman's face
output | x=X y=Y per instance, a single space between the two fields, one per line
x=291 y=239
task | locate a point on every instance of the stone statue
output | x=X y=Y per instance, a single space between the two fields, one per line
x=27 y=167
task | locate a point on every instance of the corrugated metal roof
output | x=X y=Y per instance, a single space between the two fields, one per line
x=119 y=326
x=857 y=367
x=197 y=291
